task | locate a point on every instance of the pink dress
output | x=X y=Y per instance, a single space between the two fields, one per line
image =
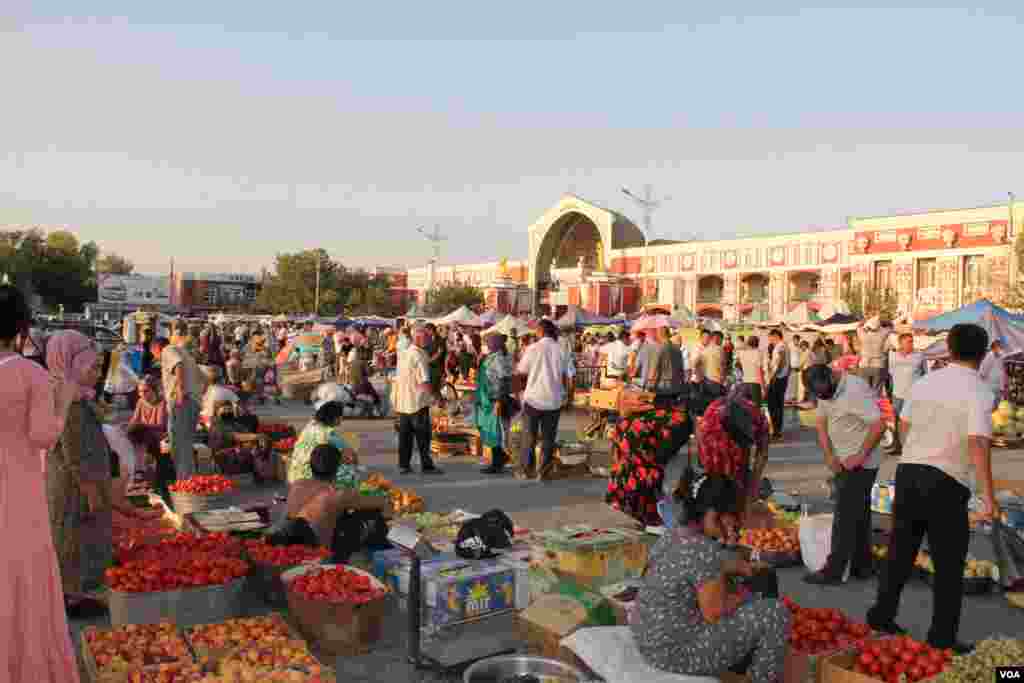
x=35 y=646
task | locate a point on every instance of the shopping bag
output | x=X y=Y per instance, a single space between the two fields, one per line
x=1009 y=551
x=816 y=540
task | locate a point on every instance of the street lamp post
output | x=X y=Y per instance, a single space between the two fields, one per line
x=648 y=204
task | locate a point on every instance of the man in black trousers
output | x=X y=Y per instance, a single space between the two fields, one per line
x=946 y=425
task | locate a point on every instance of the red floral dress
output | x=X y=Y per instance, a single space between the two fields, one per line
x=635 y=485
x=719 y=454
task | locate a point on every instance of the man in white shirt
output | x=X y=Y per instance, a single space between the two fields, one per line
x=993 y=371
x=616 y=353
x=545 y=370
x=777 y=379
x=849 y=428
x=413 y=394
x=947 y=427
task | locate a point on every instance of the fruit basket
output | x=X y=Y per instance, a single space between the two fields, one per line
x=340 y=609
x=213 y=642
x=267 y=564
x=202 y=492
x=112 y=655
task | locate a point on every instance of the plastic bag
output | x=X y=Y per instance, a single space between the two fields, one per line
x=1009 y=551
x=121 y=378
x=123 y=449
x=816 y=540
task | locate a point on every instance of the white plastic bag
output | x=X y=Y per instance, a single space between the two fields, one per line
x=815 y=540
x=611 y=653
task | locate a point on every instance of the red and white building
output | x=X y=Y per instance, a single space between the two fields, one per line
x=585 y=255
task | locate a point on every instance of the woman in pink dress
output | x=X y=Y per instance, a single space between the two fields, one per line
x=36 y=645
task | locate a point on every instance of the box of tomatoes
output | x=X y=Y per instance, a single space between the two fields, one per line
x=816 y=634
x=899 y=658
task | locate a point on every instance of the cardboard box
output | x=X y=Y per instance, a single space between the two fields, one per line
x=461 y=590
x=839 y=669
x=594 y=558
x=550 y=619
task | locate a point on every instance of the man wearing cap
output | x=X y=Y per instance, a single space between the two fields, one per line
x=413 y=394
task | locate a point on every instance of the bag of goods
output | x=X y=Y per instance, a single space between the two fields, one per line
x=816 y=540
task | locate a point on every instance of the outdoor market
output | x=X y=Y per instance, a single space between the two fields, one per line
x=239 y=545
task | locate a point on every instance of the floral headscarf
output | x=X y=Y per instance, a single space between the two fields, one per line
x=69 y=356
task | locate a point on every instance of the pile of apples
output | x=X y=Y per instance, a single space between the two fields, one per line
x=134 y=646
x=819 y=630
x=204 y=485
x=175 y=572
x=235 y=633
x=338 y=585
x=259 y=551
x=278 y=676
x=287 y=654
x=176 y=672
x=776 y=540
x=901 y=659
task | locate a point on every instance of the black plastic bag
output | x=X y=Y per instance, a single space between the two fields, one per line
x=479 y=537
x=1009 y=550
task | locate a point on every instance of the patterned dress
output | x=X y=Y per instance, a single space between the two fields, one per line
x=493 y=383
x=313 y=435
x=83 y=539
x=672 y=634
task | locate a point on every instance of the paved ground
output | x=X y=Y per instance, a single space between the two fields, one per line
x=794 y=465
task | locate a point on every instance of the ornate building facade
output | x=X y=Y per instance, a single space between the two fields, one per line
x=585 y=255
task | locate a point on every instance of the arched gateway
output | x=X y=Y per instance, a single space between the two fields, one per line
x=573 y=239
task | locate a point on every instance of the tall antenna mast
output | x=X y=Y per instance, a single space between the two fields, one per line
x=435 y=238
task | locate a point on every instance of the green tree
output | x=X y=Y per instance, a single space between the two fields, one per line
x=444 y=299
x=114 y=264
x=292 y=286
x=55 y=267
x=866 y=302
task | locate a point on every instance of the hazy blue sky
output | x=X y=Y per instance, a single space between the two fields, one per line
x=223 y=132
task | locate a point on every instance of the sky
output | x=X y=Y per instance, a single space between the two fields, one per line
x=222 y=133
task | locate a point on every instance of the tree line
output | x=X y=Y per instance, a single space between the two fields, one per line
x=292 y=289
x=55 y=269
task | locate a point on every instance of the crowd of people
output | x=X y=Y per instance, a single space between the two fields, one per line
x=57 y=509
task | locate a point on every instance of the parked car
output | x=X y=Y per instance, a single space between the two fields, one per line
x=105 y=338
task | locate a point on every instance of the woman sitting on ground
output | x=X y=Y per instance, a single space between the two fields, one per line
x=147 y=429
x=321 y=430
x=318 y=513
x=690 y=617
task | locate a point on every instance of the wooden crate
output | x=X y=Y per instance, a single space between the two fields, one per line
x=213 y=656
x=122 y=676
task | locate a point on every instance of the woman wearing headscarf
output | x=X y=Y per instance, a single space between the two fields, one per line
x=323 y=429
x=733 y=441
x=36 y=645
x=492 y=401
x=79 y=473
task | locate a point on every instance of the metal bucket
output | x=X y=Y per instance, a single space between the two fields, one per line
x=522 y=669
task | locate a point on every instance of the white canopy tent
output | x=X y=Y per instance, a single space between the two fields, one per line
x=460 y=316
x=506 y=325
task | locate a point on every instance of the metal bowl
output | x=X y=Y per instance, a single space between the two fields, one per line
x=522 y=669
